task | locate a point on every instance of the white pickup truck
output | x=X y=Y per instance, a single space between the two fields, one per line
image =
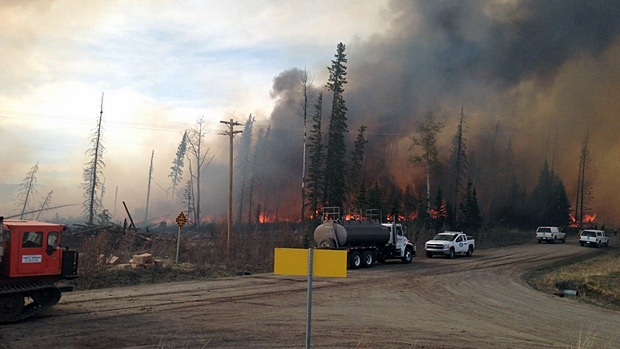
x=593 y=237
x=550 y=234
x=450 y=243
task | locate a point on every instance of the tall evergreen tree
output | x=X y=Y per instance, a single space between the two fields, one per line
x=548 y=202
x=440 y=213
x=458 y=159
x=354 y=174
x=336 y=148
x=316 y=156
x=470 y=220
x=409 y=203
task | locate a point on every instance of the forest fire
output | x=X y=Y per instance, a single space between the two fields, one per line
x=588 y=219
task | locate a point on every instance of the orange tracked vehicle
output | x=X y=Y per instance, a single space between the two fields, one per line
x=31 y=265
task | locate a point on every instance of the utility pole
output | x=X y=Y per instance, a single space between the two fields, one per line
x=148 y=190
x=230 y=133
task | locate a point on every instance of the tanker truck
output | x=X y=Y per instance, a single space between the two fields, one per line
x=365 y=240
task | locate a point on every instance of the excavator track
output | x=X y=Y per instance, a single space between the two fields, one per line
x=22 y=300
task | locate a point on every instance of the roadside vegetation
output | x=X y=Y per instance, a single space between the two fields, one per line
x=596 y=279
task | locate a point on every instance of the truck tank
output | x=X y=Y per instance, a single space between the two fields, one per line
x=351 y=233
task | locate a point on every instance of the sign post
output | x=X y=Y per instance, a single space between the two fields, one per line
x=310 y=262
x=181 y=220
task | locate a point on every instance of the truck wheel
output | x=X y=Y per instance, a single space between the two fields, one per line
x=581 y=243
x=368 y=259
x=539 y=241
x=355 y=260
x=429 y=255
x=451 y=255
x=470 y=251
x=598 y=244
x=408 y=256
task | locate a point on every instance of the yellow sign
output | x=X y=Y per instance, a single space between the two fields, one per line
x=294 y=261
x=181 y=220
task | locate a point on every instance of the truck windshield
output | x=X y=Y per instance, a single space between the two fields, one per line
x=444 y=237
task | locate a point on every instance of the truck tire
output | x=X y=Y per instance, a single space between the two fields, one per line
x=581 y=243
x=355 y=260
x=470 y=251
x=451 y=255
x=429 y=255
x=408 y=257
x=368 y=259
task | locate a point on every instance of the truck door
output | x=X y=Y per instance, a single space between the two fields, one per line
x=461 y=244
x=38 y=254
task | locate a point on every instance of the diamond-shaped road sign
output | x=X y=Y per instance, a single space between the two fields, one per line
x=181 y=220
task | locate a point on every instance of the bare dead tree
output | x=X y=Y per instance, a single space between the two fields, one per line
x=148 y=189
x=306 y=85
x=45 y=204
x=27 y=189
x=195 y=144
x=94 y=170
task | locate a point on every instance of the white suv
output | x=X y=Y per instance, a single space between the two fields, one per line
x=593 y=237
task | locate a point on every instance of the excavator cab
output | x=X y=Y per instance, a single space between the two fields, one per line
x=31 y=264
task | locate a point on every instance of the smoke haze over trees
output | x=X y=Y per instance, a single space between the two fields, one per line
x=533 y=77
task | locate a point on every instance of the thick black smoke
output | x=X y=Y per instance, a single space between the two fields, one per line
x=534 y=74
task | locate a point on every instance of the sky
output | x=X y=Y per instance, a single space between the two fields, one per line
x=160 y=65
x=535 y=76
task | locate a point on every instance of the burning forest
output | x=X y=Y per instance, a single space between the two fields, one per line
x=522 y=94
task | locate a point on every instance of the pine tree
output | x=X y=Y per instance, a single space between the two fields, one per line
x=458 y=159
x=409 y=203
x=357 y=159
x=471 y=220
x=439 y=211
x=336 y=149
x=316 y=156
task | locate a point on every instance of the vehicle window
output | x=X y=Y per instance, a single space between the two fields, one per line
x=588 y=233
x=6 y=235
x=52 y=239
x=459 y=239
x=32 y=239
x=544 y=230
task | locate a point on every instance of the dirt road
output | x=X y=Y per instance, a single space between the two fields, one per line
x=477 y=302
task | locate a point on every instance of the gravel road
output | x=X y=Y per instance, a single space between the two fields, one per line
x=478 y=302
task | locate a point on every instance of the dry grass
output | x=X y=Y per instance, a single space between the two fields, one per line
x=201 y=255
x=596 y=279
